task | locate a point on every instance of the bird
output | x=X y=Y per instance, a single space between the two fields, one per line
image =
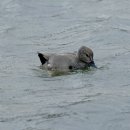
x=81 y=59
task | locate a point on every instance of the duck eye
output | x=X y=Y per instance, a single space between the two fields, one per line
x=87 y=55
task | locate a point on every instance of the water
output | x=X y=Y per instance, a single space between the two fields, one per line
x=30 y=99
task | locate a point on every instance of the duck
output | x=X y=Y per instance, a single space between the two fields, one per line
x=81 y=59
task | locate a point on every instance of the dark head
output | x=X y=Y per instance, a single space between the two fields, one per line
x=85 y=55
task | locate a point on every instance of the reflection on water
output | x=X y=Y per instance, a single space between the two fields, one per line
x=31 y=99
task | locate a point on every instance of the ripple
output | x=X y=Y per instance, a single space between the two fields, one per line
x=34 y=117
x=6 y=29
x=122 y=29
x=126 y=85
x=85 y=99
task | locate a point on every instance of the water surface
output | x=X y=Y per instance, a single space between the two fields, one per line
x=30 y=99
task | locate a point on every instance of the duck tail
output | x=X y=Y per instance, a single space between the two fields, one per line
x=42 y=58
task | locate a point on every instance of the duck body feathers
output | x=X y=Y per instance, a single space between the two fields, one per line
x=68 y=61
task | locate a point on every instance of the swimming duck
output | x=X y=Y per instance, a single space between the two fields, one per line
x=68 y=61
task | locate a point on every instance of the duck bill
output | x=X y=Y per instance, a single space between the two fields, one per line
x=92 y=64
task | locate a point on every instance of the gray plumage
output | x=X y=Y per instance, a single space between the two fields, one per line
x=68 y=61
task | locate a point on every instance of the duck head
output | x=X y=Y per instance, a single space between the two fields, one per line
x=85 y=55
